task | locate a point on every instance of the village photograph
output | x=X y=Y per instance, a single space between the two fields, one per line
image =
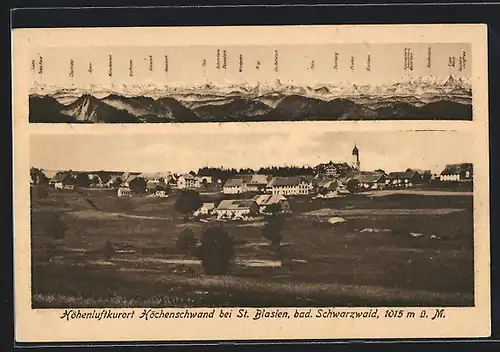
x=252 y=219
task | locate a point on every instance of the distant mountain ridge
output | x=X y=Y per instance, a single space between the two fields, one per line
x=449 y=99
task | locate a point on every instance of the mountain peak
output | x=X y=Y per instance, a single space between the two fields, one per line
x=451 y=82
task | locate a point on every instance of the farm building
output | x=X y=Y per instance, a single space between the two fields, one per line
x=187 y=181
x=292 y=185
x=156 y=177
x=235 y=186
x=161 y=193
x=258 y=182
x=113 y=180
x=62 y=181
x=426 y=174
x=154 y=187
x=369 y=180
x=457 y=172
x=264 y=201
x=237 y=208
x=403 y=179
x=328 y=187
x=124 y=192
x=128 y=177
x=206 y=209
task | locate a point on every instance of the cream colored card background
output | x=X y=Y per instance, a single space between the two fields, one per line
x=46 y=326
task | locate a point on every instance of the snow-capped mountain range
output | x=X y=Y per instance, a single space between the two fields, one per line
x=416 y=98
x=326 y=91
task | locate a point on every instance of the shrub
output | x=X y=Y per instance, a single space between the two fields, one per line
x=58 y=228
x=272 y=229
x=216 y=250
x=108 y=250
x=353 y=186
x=187 y=202
x=186 y=240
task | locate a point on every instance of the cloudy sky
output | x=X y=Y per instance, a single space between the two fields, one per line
x=391 y=151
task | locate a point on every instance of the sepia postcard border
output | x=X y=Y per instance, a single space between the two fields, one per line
x=48 y=325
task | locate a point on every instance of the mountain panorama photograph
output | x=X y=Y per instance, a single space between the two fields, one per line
x=417 y=98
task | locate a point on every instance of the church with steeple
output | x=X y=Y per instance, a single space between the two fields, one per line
x=340 y=169
x=355 y=164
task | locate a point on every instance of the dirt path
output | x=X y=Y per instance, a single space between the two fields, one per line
x=416 y=192
x=99 y=214
x=380 y=212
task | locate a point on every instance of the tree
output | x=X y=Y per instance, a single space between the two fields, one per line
x=58 y=228
x=186 y=240
x=138 y=185
x=273 y=208
x=272 y=229
x=108 y=250
x=95 y=181
x=82 y=179
x=187 y=202
x=38 y=177
x=117 y=182
x=216 y=250
x=164 y=187
x=352 y=185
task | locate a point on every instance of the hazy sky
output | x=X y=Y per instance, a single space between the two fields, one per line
x=295 y=64
x=391 y=151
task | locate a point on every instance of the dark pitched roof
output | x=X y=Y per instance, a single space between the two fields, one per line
x=234 y=204
x=260 y=179
x=188 y=177
x=267 y=199
x=234 y=182
x=330 y=184
x=60 y=177
x=287 y=181
x=366 y=176
x=401 y=175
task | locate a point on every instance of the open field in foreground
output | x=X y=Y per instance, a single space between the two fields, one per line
x=391 y=250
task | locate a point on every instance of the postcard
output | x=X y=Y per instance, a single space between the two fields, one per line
x=251 y=183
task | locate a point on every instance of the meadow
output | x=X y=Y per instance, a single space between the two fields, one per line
x=390 y=250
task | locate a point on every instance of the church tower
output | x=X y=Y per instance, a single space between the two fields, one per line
x=355 y=158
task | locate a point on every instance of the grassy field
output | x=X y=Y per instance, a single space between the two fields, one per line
x=396 y=249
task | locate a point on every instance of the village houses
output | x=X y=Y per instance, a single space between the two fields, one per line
x=369 y=180
x=266 y=201
x=237 y=208
x=235 y=186
x=258 y=182
x=290 y=185
x=328 y=187
x=246 y=183
x=207 y=208
x=403 y=179
x=187 y=181
x=62 y=180
x=457 y=172
x=124 y=192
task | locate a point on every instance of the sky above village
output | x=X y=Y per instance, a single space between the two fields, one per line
x=180 y=153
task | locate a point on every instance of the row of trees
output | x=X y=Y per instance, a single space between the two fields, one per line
x=226 y=173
